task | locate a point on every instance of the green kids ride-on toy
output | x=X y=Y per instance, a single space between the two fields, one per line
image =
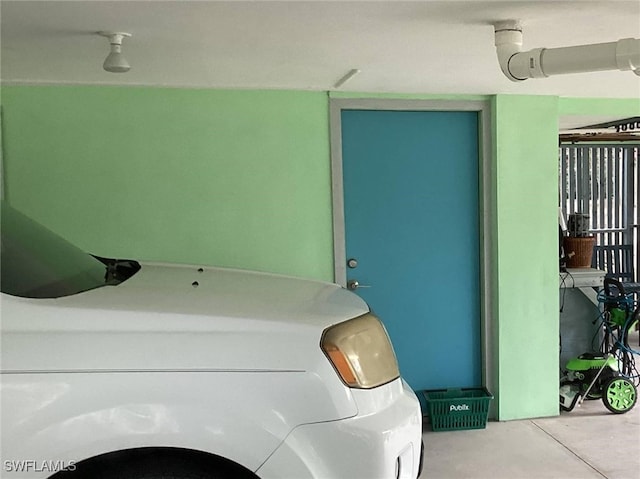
x=610 y=374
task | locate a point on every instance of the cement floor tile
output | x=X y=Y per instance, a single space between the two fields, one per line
x=608 y=442
x=509 y=450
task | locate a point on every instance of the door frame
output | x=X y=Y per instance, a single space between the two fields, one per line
x=486 y=204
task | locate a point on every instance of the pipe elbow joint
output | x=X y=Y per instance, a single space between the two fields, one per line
x=504 y=59
x=528 y=64
x=508 y=43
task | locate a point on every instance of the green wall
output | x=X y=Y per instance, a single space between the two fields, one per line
x=242 y=179
x=619 y=107
x=231 y=178
x=526 y=317
x=525 y=276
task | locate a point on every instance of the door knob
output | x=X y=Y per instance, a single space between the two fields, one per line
x=353 y=284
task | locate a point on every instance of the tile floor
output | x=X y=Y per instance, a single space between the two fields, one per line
x=588 y=442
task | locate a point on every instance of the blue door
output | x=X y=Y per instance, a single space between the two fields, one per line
x=412 y=226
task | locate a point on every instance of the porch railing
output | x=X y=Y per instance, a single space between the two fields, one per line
x=603 y=181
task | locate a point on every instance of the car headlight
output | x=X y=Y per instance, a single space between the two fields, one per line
x=361 y=352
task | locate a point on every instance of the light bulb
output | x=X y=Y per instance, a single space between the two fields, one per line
x=115 y=61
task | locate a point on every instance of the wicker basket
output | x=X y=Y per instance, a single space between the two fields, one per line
x=578 y=251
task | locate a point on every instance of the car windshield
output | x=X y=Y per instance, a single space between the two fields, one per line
x=37 y=263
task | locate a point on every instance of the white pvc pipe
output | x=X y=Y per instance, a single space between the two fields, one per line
x=508 y=42
x=543 y=62
x=584 y=58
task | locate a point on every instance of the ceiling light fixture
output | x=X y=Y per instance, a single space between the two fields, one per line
x=115 y=61
x=543 y=62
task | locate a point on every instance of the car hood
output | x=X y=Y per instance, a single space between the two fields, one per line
x=178 y=317
x=224 y=294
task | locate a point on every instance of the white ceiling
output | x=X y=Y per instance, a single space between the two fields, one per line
x=415 y=47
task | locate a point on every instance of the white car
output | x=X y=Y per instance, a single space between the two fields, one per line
x=119 y=369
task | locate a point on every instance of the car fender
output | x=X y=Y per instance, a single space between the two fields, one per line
x=239 y=415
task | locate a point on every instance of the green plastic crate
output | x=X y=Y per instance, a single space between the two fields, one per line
x=458 y=409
